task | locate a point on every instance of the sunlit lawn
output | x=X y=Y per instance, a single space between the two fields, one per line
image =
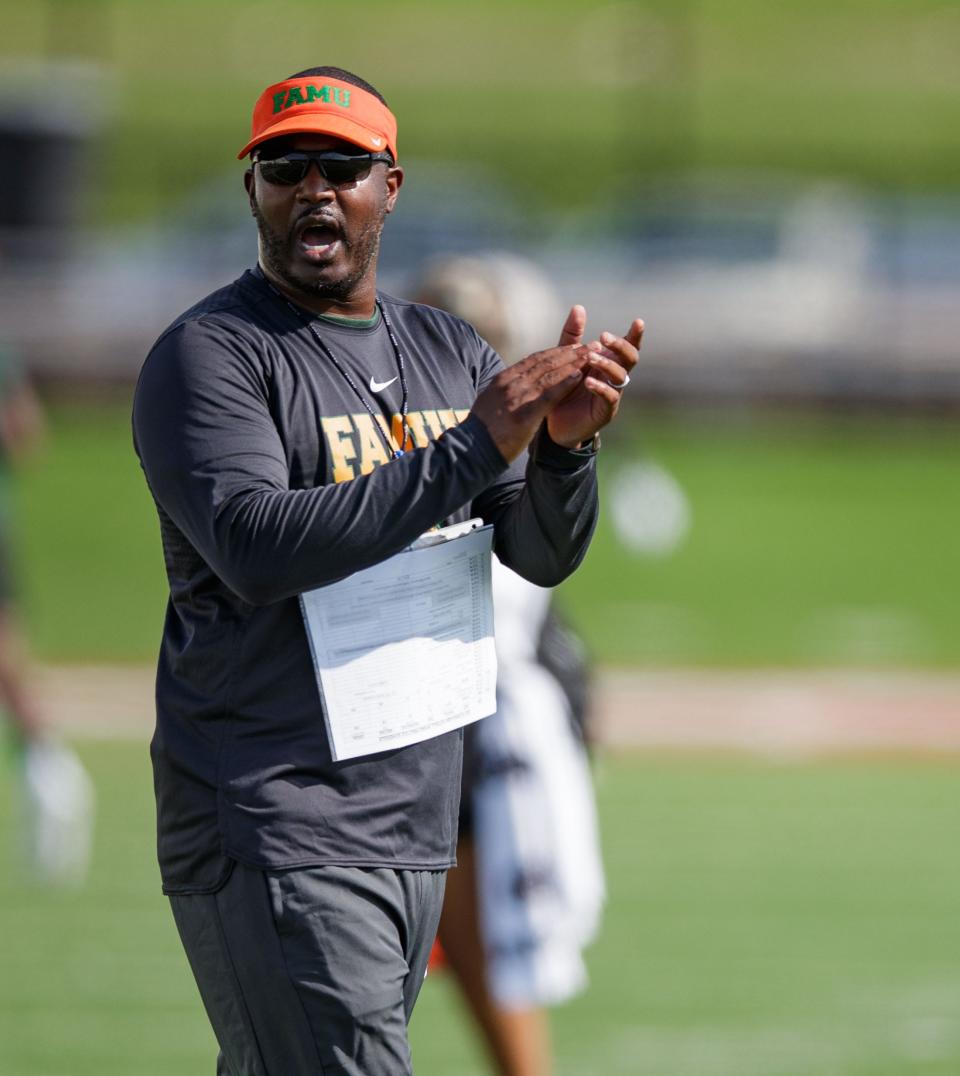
x=812 y=541
x=764 y=920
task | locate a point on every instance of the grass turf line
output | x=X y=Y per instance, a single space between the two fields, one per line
x=815 y=542
x=764 y=920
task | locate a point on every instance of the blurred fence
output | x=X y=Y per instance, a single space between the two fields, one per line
x=750 y=289
x=773 y=187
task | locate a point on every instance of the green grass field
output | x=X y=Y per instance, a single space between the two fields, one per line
x=765 y=920
x=814 y=541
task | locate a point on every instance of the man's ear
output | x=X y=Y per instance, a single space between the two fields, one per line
x=249 y=187
x=394 y=183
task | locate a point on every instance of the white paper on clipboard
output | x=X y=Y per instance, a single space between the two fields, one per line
x=404 y=650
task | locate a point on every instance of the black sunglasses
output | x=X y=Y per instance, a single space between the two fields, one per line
x=336 y=168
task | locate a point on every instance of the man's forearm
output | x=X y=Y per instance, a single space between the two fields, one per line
x=267 y=544
x=544 y=527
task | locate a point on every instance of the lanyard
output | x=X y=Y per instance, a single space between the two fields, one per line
x=396 y=453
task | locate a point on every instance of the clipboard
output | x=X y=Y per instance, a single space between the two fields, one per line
x=404 y=650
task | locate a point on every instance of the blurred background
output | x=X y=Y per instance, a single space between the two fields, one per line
x=771 y=598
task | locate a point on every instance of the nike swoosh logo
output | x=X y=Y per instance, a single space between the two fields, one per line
x=379 y=386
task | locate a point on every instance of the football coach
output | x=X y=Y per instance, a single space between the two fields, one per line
x=295 y=427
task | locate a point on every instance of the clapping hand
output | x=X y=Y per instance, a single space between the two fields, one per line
x=576 y=387
x=594 y=401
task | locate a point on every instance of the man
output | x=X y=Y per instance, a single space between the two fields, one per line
x=526 y=895
x=57 y=794
x=307 y=891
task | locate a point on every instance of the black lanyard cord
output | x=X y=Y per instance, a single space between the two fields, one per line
x=396 y=453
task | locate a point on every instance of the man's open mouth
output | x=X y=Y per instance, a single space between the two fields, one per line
x=318 y=240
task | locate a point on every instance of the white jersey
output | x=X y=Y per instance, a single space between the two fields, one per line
x=540 y=876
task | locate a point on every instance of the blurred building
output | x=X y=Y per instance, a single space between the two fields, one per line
x=751 y=290
x=773 y=189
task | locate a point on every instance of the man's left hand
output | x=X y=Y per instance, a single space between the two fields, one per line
x=595 y=401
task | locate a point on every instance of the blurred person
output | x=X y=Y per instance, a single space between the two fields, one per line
x=528 y=888
x=57 y=796
x=273 y=427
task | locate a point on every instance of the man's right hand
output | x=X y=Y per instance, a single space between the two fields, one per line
x=515 y=403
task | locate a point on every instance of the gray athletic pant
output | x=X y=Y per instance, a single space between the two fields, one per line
x=312 y=972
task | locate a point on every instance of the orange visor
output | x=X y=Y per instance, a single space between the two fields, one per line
x=322 y=106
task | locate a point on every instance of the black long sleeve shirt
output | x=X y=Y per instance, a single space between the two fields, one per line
x=266 y=463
